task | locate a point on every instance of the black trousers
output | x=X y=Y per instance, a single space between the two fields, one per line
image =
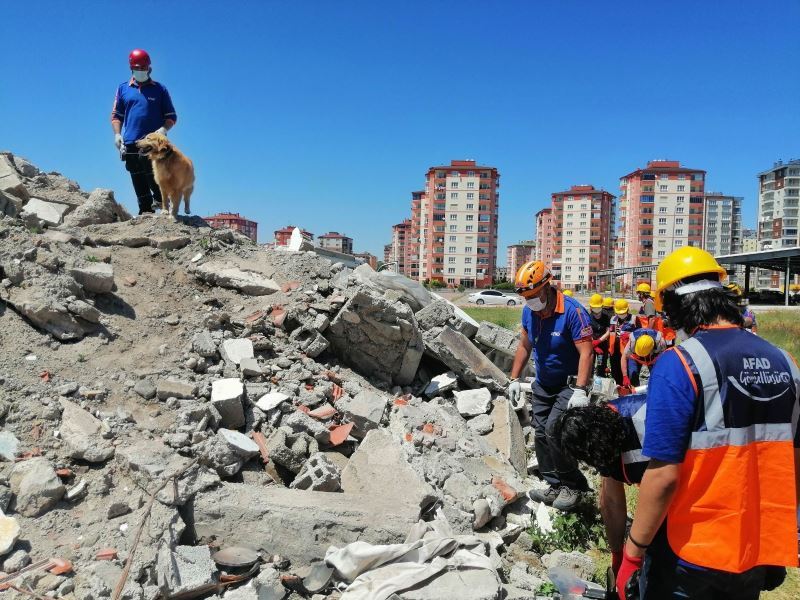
x=556 y=468
x=144 y=184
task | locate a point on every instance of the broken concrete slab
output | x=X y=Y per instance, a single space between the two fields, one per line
x=379 y=468
x=250 y=367
x=9 y=533
x=10 y=180
x=471 y=403
x=239 y=443
x=282 y=452
x=100 y=207
x=10 y=206
x=441 y=313
x=319 y=474
x=310 y=341
x=365 y=410
x=482 y=424
x=507 y=435
x=440 y=384
x=470 y=364
x=271 y=400
x=36 y=487
x=247 y=282
x=235 y=350
x=464 y=584
x=47 y=313
x=299 y=421
x=84 y=435
x=497 y=337
x=377 y=337
x=259 y=518
x=170 y=388
x=97 y=278
x=226 y=397
x=184 y=569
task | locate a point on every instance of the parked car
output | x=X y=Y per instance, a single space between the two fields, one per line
x=493 y=297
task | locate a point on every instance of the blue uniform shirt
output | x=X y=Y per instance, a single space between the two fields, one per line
x=553 y=340
x=141 y=108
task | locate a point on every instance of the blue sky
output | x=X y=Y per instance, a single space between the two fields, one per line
x=328 y=114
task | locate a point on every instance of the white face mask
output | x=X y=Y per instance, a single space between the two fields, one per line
x=141 y=76
x=535 y=304
x=597 y=311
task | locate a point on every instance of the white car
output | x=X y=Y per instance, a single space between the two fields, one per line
x=493 y=297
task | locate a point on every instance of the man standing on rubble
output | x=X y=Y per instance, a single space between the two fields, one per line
x=718 y=501
x=141 y=106
x=557 y=330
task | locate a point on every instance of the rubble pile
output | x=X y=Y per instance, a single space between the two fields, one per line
x=220 y=417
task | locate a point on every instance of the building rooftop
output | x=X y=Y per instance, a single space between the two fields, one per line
x=779 y=164
x=664 y=166
x=333 y=235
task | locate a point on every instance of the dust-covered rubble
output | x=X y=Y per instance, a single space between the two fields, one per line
x=167 y=376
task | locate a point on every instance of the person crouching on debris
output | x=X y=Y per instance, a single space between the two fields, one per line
x=556 y=329
x=141 y=106
x=642 y=349
x=718 y=500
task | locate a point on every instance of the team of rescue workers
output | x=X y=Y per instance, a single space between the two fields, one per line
x=712 y=443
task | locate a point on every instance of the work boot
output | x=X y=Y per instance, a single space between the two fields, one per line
x=567 y=499
x=546 y=496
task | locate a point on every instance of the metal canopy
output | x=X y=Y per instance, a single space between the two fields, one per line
x=776 y=260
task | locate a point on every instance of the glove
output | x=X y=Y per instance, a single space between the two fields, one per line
x=578 y=399
x=616 y=561
x=630 y=566
x=161 y=130
x=626 y=381
x=514 y=392
x=595 y=344
x=118 y=141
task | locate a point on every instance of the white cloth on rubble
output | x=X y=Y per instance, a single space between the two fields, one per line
x=375 y=572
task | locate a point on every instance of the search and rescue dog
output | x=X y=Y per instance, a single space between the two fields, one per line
x=172 y=169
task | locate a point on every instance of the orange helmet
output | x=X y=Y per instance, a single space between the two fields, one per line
x=532 y=277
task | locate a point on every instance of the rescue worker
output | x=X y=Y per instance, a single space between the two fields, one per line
x=716 y=503
x=643 y=347
x=648 y=308
x=609 y=438
x=600 y=322
x=556 y=329
x=747 y=313
x=623 y=323
x=608 y=307
x=141 y=106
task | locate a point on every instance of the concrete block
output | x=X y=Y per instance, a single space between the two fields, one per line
x=97 y=278
x=318 y=474
x=235 y=350
x=297 y=524
x=380 y=469
x=250 y=367
x=184 y=569
x=10 y=180
x=473 y=402
x=507 y=435
x=440 y=384
x=310 y=341
x=169 y=388
x=365 y=410
x=36 y=487
x=83 y=434
x=463 y=357
x=272 y=400
x=497 y=337
x=464 y=584
x=226 y=397
x=482 y=424
x=247 y=282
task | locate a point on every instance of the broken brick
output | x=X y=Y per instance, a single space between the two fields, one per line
x=508 y=493
x=340 y=433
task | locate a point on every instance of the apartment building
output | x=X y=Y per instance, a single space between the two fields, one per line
x=236 y=222
x=368 y=258
x=283 y=235
x=333 y=240
x=545 y=250
x=518 y=254
x=778 y=205
x=722 y=218
x=401 y=237
x=749 y=240
x=661 y=208
x=457 y=222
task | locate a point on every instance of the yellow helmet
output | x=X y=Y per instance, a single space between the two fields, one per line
x=644 y=345
x=643 y=288
x=568 y=293
x=532 y=277
x=684 y=262
x=621 y=306
x=734 y=288
x=608 y=302
x=596 y=301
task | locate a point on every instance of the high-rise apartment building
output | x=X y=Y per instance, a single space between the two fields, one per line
x=333 y=240
x=574 y=235
x=520 y=253
x=457 y=218
x=778 y=205
x=401 y=247
x=660 y=209
x=723 y=224
x=749 y=240
x=387 y=254
x=368 y=258
x=236 y=222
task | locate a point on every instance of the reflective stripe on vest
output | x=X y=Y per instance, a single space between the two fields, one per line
x=735 y=506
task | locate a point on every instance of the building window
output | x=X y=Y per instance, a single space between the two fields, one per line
x=450 y=280
x=453 y=238
x=681 y=188
x=662 y=221
x=453 y=227
x=453 y=184
x=663 y=188
x=451 y=259
x=679 y=221
x=679 y=231
x=662 y=253
x=662 y=209
x=454 y=196
x=453 y=217
x=468 y=261
x=451 y=248
x=678 y=243
x=471 y=217
x=662 y=232
x=679 y=209
x=468 y=249
x=451 y=270
x=663 y=176
x=469 y=227
x=470 y=206
x=471 y=184
x=470 y=195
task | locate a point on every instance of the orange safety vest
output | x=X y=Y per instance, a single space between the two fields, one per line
x=735 y=506
x=666 y=332
x=636 y=321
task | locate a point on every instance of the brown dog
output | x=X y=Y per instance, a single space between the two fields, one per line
x=173 y=171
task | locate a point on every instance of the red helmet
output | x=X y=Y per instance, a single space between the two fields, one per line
x=139 y=60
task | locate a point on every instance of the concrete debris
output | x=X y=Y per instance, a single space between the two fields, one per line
x=380 y=469
x=86 y=437
x=51 y=213
x=441 y=313
x=378 y=337
x=146 y=389
x=507 y=435
x=261 y=517
x=100 y=207
x=310 y=341
x=226 y=397
x=365 y=410
x=250 y=367
x=440 y=384
x=97 y=278
x=473 y=402
x=10 y=180
x=579 y=564
x=247 y=282
x=169 y=388
x=319 y=474
x=459 y=354
x=36 y=487
x=184 y=569
x=9 y=533
x=204 y=345
x=498 y=338
x=8 y=446
x=272 y=400
x=482 y=424
x=235 y=350
x=464 y=584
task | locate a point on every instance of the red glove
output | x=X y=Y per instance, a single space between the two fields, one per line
x=628 y=567
x=626 y=381
x=616 y=561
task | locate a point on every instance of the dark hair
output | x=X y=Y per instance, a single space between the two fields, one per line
x=702 y=308
x=592 y=434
